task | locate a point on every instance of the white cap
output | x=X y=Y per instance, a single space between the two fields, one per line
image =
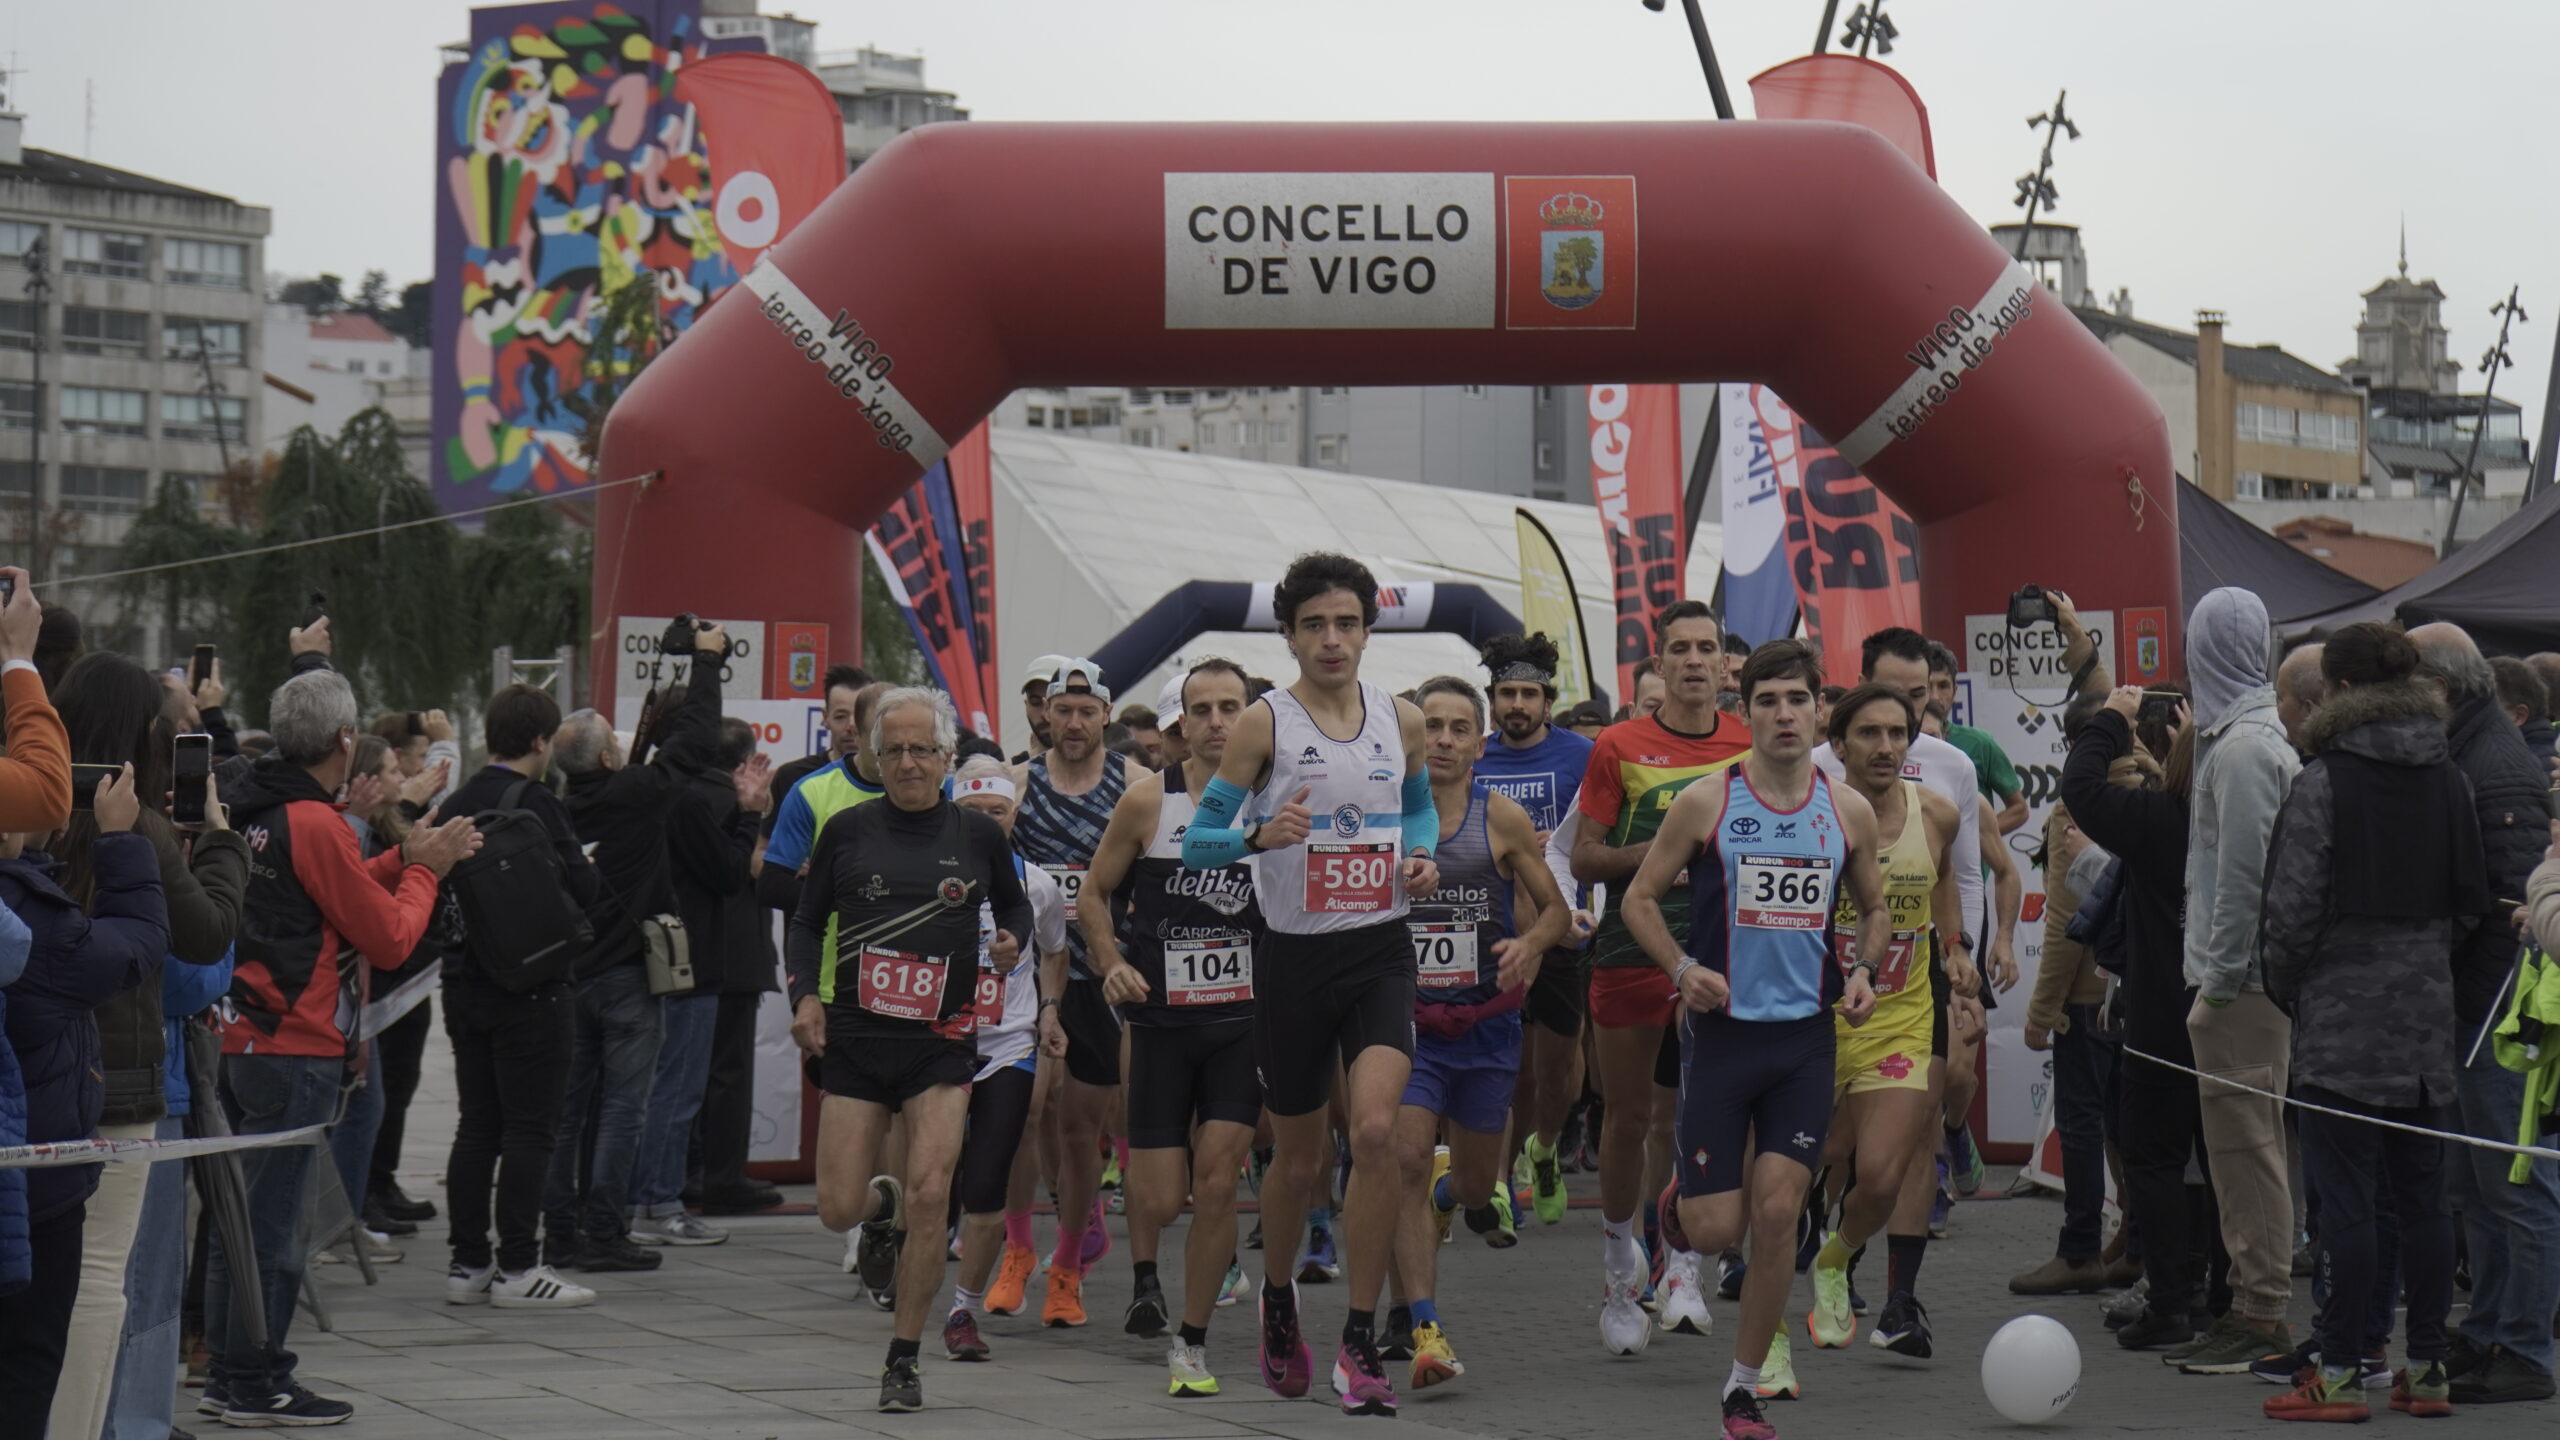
x=1041 y=669
x=1074 y=674
x=1169 y=701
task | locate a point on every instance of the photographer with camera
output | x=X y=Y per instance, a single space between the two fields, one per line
x=622 y=809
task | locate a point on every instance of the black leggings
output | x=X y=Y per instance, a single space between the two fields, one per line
x=399 y=1053
x=999 y=1107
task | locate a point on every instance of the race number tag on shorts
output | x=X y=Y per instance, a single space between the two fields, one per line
x=1208 y=972
x=1782 y=892
x=1896 y=970
x=902 y=985
x=989 y=1006
x=1350 y=879
x=1444 y=956
x=1070 y=880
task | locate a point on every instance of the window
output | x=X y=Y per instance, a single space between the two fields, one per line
x=1106 y=413
x=225 y=340
x=17 y=325
x=105 y=489
x=2248 y=485
x=205 y=262
x=1080 y=418
x=1037 y=417
x=1328 y=389
x=1208 y=432
x=104 y=332
x=1276 y=432
x=1476 y=390
x=1328 y=449
x=1546 y=454
x=105 y=252
x=1248 y=432
x=1177 y=397
x=1146 y=436
x=18 y=236
x=87 y=411
x=196 y=417
x=2327 y=432
x=17 y=406
x=14 y=475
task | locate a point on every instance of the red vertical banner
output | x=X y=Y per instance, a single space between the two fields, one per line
x=776 y=143
x=1854 y=553
x=973 y=486
x=1635 y=480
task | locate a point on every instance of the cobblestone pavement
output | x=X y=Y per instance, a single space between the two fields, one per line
x=763 y=1337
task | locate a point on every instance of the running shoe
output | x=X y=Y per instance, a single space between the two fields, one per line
x=960 y=1338
x=2131 y=1303
x=466 y=1286
x=1253 y=1241
x=1238 y=1286
x=1831 y=1323
x=1434 y=1363
x=902 y=1385
x=1903 y=1328
x=1361 y=1381
x=1684 y=1301
x=1110 y=1166
x=1624 y=1327
x=1965 y=1160
x=2331 y=1395
x=1146 y=1318
x=290 y=1406
x=1190 y=1366
x=1431 y=1191
x=1506 y=1229
x=1396 y=1341
x=1115 y=1202
x=1809 y=1233
x=875 y=1250
x=1013 y=1276
x=1730 y=1270
x=2426 y=1394
x=677 y=1229
x=1778 y=1372
x=2290 y=1368
x=1942 y=1205
x=1284 y=1358
x=1546 y=1181
x=1320 y=1261
x=1744 y=1419
x=1097 y=1237
x=1064 y=1306
x=539 y=1288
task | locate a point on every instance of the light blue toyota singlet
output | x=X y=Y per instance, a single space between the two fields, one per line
x=1761 y=897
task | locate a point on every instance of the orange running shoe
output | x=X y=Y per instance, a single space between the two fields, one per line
x=1013 y=1274
x=2337 y=1397
x=1065 y=1305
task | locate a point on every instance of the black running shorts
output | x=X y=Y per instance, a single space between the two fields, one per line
x=1763 y=1082
x=892 y=1069
x=1320 y=1000
x=1093 y=1032
x=1181 y=1074
x=1558 y=997
x=999 y=1106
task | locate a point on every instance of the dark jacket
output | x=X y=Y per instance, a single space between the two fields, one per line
x=2373 y=877
x=2512 y=789
x=313 y=901
x=2147 y=829
x=623 y=814
x=2541 y=738
x=487 y=791
x=203 y=896
x=77 y=961
x=17 y=1255
x=709 y=843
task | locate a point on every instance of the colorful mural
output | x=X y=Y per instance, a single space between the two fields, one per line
x=566 y=169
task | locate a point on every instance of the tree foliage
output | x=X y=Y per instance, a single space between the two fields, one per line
x=318 y=295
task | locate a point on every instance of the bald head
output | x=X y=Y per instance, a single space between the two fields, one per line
x=2300 y=689
x=584 y=742
x=2448 y=656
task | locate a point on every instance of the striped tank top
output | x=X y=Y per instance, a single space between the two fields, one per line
x=1059 y=833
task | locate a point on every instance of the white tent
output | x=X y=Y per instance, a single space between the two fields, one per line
x=1088 y=535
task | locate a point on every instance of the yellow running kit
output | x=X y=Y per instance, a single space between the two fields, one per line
x=1891 y=1051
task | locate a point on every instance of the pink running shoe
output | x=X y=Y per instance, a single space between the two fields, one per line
x=1097 y=1236
x=1361 y=1381
x=1744 y=1419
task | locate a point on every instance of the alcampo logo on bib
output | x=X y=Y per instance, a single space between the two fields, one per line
x=1347 y=820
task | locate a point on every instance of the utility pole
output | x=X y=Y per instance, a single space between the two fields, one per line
x=1868 y=29
x=2508 y=313
x=38 y=287
x=211 y=390
x=1706 y=56
x=2037 y=189
x=1822 y=32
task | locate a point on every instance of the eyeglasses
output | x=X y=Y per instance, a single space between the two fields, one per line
x=892 y=754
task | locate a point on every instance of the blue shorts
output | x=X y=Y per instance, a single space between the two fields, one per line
x=1470 y=1080
x=1751 y=1082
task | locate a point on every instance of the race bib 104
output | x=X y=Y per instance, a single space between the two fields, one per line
x=1208 y=972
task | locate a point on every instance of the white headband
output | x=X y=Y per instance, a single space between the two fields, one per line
x=1000 y=786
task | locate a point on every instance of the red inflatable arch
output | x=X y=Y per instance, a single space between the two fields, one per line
x=965 y=261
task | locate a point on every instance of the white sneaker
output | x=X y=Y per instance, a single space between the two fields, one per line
x=379 y=1249
x=853 y=1250
x=1624 y=1327
x=539 y=1288
x=1681 y=1296
x=680 y=1228
x=468 y=1287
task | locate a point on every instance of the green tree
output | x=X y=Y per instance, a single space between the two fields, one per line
x=888 y=647
x=373 y=295
x=525 y=581
x=318 y=295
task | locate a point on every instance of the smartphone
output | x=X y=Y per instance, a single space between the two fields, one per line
x=191 y=778
x=85 y=780
x=200 y=669
x=319 y=609
x=8 y=589
x=2159 y=707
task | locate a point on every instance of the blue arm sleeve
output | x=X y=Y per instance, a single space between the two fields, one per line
x=1421 y=815
x=794 y=827
x=1215 y=838
x=16 y=941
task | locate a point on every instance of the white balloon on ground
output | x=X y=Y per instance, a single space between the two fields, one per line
x=2031 y=1369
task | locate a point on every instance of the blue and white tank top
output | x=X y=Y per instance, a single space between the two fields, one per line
x=1346 y=874
x=1761 y=899
x=1059 y=833
x=1455 y=926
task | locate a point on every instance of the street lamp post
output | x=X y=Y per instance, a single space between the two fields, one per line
x=2497 y=359
x=38 y=287
x=2037 y=189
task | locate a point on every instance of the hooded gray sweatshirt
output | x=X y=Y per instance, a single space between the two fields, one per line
x=2243 y=768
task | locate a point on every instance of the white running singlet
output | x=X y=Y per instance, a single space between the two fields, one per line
x=1348 y=872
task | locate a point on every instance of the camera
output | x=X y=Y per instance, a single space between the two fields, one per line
x=2031 y=606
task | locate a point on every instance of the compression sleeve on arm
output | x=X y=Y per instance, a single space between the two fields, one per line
x=1216 y=837
x=1421 y=816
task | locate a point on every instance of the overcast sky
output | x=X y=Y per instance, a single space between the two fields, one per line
x=2241 y=155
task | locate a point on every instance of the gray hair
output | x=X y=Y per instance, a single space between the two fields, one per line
x=2445 y=653
x=2298 y=674
x=306 y=713
x=946 y=721
x=577 y=747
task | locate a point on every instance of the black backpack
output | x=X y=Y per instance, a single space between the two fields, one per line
x=510 y=903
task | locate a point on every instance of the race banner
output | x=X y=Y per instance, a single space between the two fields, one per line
x=916 y=542
x=776 y=145
x=973 y=485
x=1635 y=480
x=1854 y=554
x=1759 y=584
x=1549 y=605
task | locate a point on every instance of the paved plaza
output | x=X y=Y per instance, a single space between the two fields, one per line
x=763 y=1338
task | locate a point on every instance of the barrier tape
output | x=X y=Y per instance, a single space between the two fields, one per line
x=90 y=1152
x=2505 y=1147
x=386 y=1011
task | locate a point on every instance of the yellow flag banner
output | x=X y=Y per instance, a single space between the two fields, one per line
x=1548 y=603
